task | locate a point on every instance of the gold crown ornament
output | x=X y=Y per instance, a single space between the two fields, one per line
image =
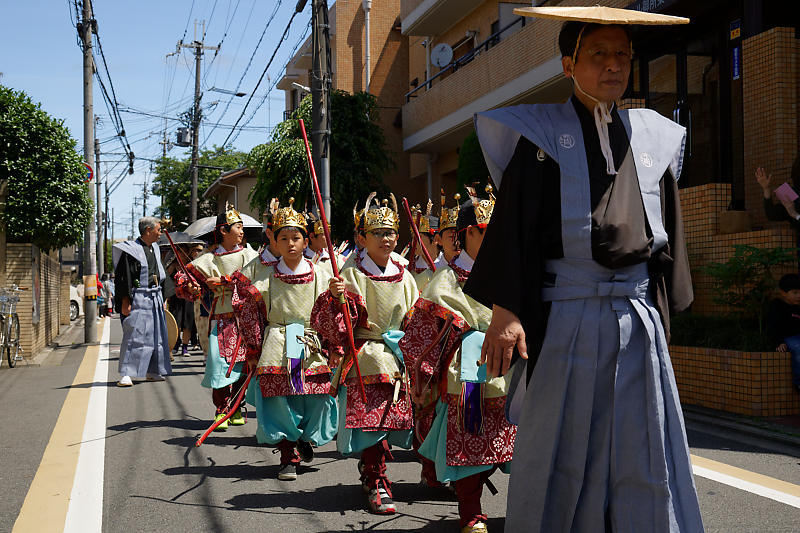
x=315 y=223
x=286 y=217
x=269 y=213
x=483 y=208
x=449 y=217
x=381 y=217
x=424 y=220
x=232 y=216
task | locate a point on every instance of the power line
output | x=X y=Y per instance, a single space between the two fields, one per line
x=264 y=73
x=274 y=83
x=247 y=67
x=176 y=119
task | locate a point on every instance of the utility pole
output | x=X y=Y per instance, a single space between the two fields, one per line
x=101 y=263
x=108 y=267
x=144 y=198
x=89 y=262
x=133 y=234
x=197 y=112
x=112 y=228
x=320 y=97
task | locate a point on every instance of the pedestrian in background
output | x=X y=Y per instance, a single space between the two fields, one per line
x=108 y=285
x=783 y=322
x=139 y=281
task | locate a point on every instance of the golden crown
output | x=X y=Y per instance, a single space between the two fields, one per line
x=381 y=217
x=483 y=208
x=315 y=223
x=287 y=217
x=232 y=216
x=424 y=220
x=449 y=217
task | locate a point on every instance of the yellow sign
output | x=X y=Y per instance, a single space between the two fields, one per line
x=90 y=287
x=736 y=33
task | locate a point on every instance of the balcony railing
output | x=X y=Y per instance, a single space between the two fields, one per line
x=466 y=58
x=288 y=114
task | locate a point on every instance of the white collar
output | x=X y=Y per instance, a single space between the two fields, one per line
x=220 y=250
x=266 y=256
x=420 y=263
x=370 y=266
x=464 y=261
x=439 y=261
x=302 y=268
x=309 y=253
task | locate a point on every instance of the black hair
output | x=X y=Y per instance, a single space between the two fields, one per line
x=568 y=36
x=219 y=225
x=301 y=230
x=466 y=218
x=789 y=282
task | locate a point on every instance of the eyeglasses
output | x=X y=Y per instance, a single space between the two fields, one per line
x=384 y=234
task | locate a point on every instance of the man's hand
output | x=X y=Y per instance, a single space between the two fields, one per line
x=126 y=306
x=505 y=331
x=194 y=289
x=765 y=180
x=336 y=286
x=782 y=348
x=214 y=282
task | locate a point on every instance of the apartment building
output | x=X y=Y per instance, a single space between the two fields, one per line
x=381 y=70
x=730 y=77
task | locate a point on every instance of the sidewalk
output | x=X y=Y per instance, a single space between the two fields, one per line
x=52 y=354
x=785 y=429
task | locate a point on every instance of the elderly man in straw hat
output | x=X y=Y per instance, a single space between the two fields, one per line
x=590 y=192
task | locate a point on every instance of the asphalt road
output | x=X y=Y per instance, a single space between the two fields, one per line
x=156 y=480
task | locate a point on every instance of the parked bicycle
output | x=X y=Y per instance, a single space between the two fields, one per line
x=9 y=325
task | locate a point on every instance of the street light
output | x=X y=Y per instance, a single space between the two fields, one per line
x=226 y=91
x=299 y=87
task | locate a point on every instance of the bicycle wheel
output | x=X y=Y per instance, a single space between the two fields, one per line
x=12 y=344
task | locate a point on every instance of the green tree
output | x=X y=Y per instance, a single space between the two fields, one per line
x=48 y=202
x=358 y=159
x=471 y=166
x=746 y=281
x=173 y=182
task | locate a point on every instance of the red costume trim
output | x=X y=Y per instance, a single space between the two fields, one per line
x=495 y=443
x=296 y=279
x=278 y=385
x=378 y=413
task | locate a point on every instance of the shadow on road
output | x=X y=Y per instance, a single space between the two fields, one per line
x=213 y=440
x=188 y=424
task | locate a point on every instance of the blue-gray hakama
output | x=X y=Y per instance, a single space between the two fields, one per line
x=601 y=443
x=144 y=348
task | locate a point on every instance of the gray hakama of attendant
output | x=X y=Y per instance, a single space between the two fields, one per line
x=144 y=349
x=601 y=442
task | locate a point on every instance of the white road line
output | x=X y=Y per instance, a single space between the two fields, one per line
x=749 y=486
x=85 y=513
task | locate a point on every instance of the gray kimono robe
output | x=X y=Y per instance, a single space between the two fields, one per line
x=601 y=259
x=144 y=347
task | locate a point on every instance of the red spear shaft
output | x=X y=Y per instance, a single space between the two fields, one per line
x=232 y=409
x=329 y=243
x=417 y=238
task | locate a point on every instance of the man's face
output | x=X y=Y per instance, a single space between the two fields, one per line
x=603 y=63
x=317 y=241
x=429 y=243
x=151 y=235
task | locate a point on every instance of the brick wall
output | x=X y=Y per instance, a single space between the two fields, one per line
x=770 y=85
x=19 y=262
x=747 y=383
x=388 y=73
x=701 y=207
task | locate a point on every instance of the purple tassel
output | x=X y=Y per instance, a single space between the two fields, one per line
x=472 y=405
x=296 y=375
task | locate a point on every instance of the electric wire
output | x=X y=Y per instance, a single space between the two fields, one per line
x=258 y=83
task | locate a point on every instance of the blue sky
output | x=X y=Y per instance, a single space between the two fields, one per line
x=41 y=57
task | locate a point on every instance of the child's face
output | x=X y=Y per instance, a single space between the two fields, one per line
x=792 y=297
x=290 y=243
x=380 y=244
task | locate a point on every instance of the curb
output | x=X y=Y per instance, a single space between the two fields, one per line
x=762 y=429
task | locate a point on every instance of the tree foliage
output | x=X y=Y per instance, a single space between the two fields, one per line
x=174 y=184
x=48 y=202
x=471 y=166
x=746 y=281
x=358 y=159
